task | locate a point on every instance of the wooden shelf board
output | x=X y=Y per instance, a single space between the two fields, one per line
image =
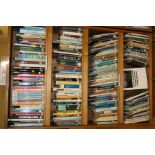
x=117 y=29
x=147 y=125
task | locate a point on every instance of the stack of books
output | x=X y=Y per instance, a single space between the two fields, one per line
x=136 y=49
x=103 y=78
x=27 y=77
x=137 y=108
x=67 y=74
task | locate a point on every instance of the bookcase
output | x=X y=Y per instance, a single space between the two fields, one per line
x=53 y=34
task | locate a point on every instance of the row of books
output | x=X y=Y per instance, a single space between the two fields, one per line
x=67 y=78
x=27 y=77
x=136 y=49
x=103 y=78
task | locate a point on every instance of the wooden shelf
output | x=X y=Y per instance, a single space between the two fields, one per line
x=132 y=28
x=147 y=125
x=119 y=29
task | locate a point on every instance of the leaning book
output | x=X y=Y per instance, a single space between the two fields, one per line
x=135 y=78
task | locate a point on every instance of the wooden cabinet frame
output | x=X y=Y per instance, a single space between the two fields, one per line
x=48 y=79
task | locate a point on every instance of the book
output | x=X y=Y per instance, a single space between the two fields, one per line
x=135 y=78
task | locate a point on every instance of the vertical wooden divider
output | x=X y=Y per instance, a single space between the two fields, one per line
x=48 y=77
x=121 y=79
x=7 y=100
x=150 y=76
x=84 y=105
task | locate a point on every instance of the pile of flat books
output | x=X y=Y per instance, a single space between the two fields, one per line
x=67 y=74
x=136 y=49
x=137 y=108
x=103 y=78
x=27 y=77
